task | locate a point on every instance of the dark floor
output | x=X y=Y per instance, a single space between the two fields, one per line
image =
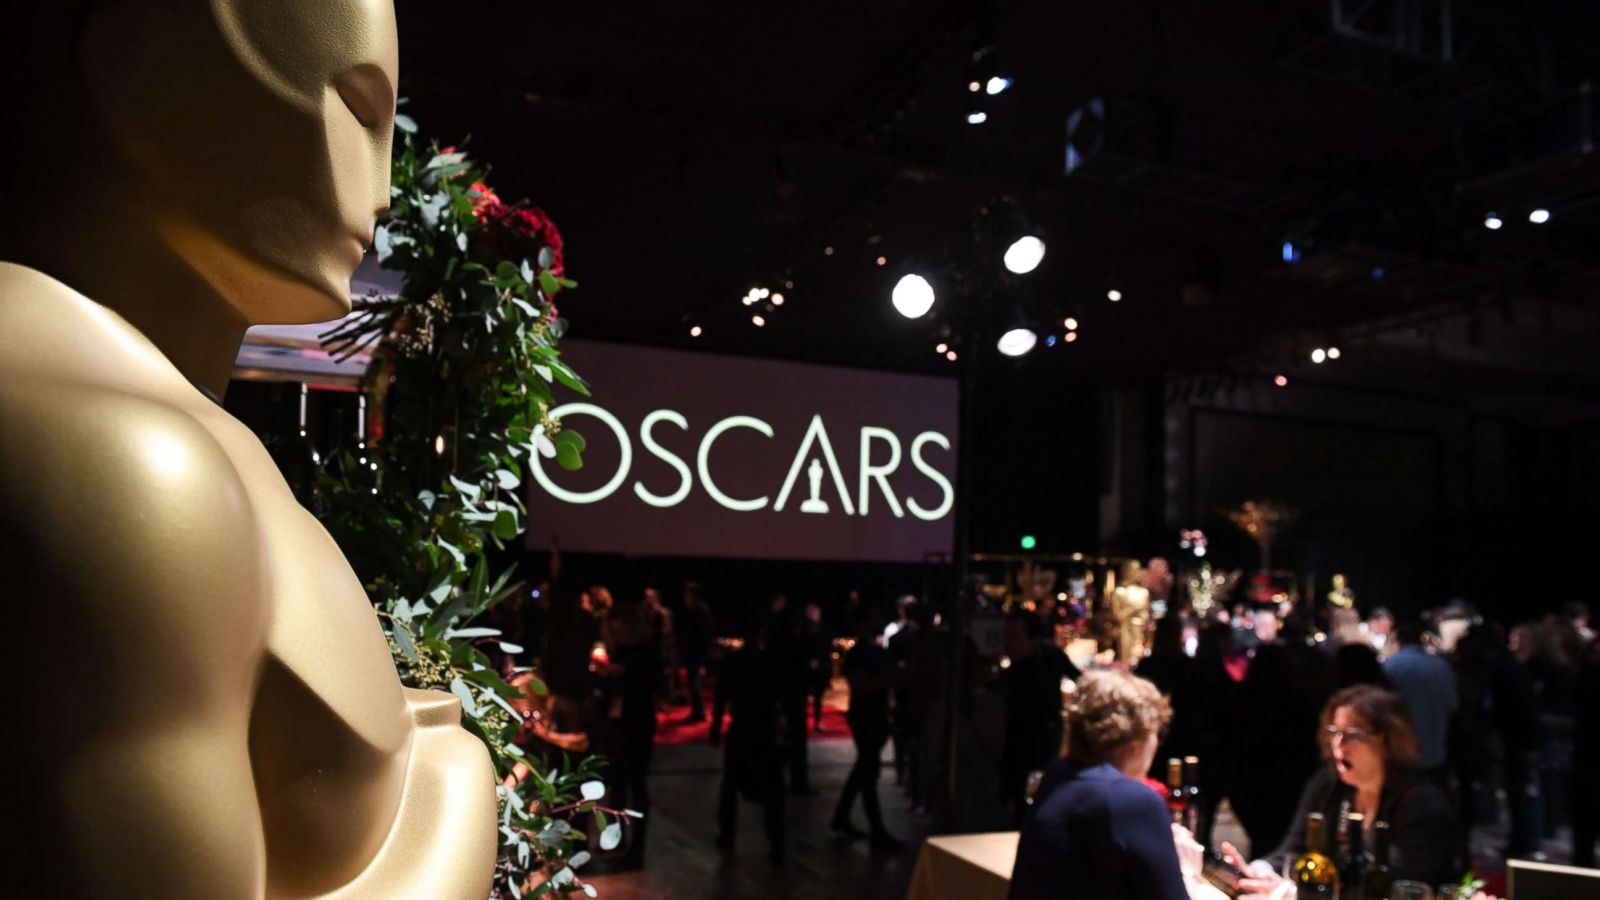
x=683 y=863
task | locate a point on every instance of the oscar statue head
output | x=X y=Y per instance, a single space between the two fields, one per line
x=246 y=141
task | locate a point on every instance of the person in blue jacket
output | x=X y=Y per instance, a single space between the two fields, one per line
x=1096 y=829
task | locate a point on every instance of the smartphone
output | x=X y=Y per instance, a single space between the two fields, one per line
x=1221 y=874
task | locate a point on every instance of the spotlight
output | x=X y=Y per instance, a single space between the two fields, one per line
x=758 y=322
x=1281 y=381
x=1114 y=295
x=695 y=331
x=1492 y=221
x=977 y=117
x=1072 y=324
x=1319 y=355
x=974 y=87
x=1017 y=341
x=1539 y=216
x=1072 y=336
x=777 y=299
x=942 y=348
x=883 y=260
x=951 y=355
x=1333 y=353
x=912 y=296
x=1025 y=255
x=996 y=84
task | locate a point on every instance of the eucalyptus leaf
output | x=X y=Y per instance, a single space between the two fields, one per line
x=464 y=694
x=402 y=639
x=569 y=458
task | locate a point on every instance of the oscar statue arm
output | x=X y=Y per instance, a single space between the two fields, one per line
x=133 y=567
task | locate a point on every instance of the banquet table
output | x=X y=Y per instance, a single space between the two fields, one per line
x=978 y=867
x=964 y=866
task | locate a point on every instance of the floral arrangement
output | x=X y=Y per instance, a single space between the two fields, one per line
x=466 y=369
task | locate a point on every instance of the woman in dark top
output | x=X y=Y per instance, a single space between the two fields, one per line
x=1372 y=759
x=1095 y=829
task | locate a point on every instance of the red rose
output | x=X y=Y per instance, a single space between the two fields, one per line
x=482 y=196
x=522 y=232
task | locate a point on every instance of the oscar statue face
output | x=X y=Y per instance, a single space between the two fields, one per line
x=265 y=176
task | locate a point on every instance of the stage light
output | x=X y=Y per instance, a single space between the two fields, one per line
x=941 y=348
x=977 y=117
x=1333 y=353
x=695 y=331
x=1281 y=381
x=1492 y=221
x=996 y=84
x=1319 y=355
x=1050 y=340
x=883 y=260
x=777 y=299
x=951 y=355
x=1024 y=255
x=1114 y=295
x=1072 y=336
x=1200 y=550
x=1017 y=341
x=912 y=296
x=762 y=293
x=1029 y=542
x=1072 y=324
x=1539 y=216
x=1291 y=253
x=758 y=322
x=974 y=87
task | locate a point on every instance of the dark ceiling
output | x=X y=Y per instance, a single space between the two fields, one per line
x=692 y=151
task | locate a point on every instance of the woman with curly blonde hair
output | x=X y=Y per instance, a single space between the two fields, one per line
x=1096 y=830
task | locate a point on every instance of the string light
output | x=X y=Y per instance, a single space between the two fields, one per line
x=941 y=348
x=1071 y=336
x=1072 y=324
x=1281 y=381
x=1114 y=295
x=1319 y=355
x=758 y=321
x=950 y=355
x=695 y=331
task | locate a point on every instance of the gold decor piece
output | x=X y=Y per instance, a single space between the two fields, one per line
x=1261 y=520
x=206 y=707
x=1130 y=604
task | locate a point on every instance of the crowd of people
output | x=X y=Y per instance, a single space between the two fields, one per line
x=1470 y=722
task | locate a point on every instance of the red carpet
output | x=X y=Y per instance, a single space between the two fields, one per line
x=671 y=727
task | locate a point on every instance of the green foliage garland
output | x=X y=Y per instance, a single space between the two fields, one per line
x=465 y=373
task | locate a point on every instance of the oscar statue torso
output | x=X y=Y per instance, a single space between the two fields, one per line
x=223 y=718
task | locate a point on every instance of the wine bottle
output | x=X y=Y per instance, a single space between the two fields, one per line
x=1177 y=797
x=1379 y=877
x=1353 y=867
x=1191 y=784
x=1314 y=875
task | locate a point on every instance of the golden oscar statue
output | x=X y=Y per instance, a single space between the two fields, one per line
x=1341 y=597
x=203 y=705
x=1130 y=603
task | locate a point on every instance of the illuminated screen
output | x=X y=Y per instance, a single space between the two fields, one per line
x=699 y=454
